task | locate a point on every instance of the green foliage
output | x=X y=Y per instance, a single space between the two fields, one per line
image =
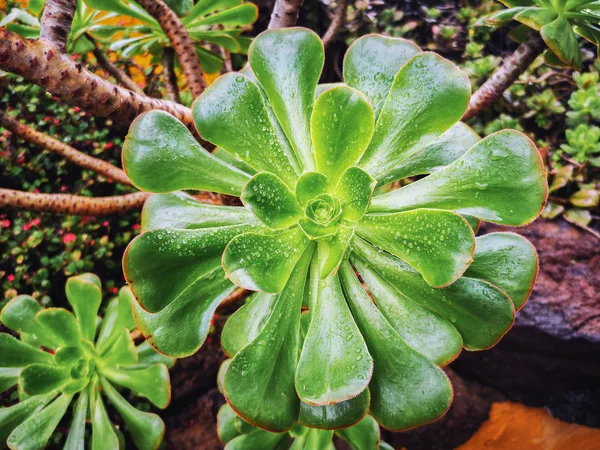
x=311 y=216
x=65 y=357
x=583 y=144
x=558 y=22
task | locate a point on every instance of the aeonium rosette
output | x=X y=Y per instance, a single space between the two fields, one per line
x=313 y=166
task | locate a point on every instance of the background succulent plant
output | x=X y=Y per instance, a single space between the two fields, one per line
x=63 y=358
x=558 y=21
x=306 y=169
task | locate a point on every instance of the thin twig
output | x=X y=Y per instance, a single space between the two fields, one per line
x=112 y=69
x=285 y=13
x=68 y=152
x=71 y=204
x=169 y=76
x=337 y=22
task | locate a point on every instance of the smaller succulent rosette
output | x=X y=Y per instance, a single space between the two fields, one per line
x=63 y=358
x=317 y=169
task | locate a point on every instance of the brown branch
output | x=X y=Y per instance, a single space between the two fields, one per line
x=169 y=76
x=41 y=63
x=71 y=204
x=182 y=43
x=285 y=13
x=68 y=152
x=337 y=22
x=505 y=75
x=112 y=69
x=56 y=22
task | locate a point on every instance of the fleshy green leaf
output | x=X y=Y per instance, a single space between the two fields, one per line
x=335 y=416
x=271 y=200
x=118 y=316
x=61 y=324
x=19 y=315
x=424 y=330
x=407 y=390
x=438 y=244
x=179 y=256
x=9 y=376
x=264 y=262
x=428 y=96
x=335 y=364
x=288 y=63
x=508 y=261
x=500 y=179
x=122 y=351
x=68 y=356
x=180 y=210
x=161 y=155
x=146 y=429
x=313 y=439
x=35 y=432
x=204 y=7
x=310 y=185
x=244 y=325
x=38 y=379
x=14 y=353
x=12 y=416
x=148 y=355
x=103 y=433
x=371 y=63
x=355 y=189
x=535 y=18
x=479 y=311
x=362 y=436
x=260 y=391
x=84 y=293
x=76 y=436
x=225 y=426
x=182 y=326
x=561 y=39
x=232 y=115
x=151 y=382
x=341 y=125
x=245 y=14
x=260 y=439
x=333 y=250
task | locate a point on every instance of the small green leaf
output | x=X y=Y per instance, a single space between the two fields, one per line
x=313 y=439
x=407 y=390
x=68 y=356
x=264 y=262
x=9 y=376
x=205 y=7
x=13 y=416
x=535 y=18
x=341 y=125
x=76 y=436
x=84 y=293
x=38 y=379
x=179 y=256
x=221 y=375
x=260 y=439
x=122 y=351
x=225 y=426
x=19 y=315
x=287 y=61
x=424 y=330
x=508 y=261
x=260 y=391
x=244 y=325
x=500 y=179
x=355 y=189
x=61 y=324
x=338 y=415
x=333 y=250
x=182 y=326
x=241 y=15
x=269 y=198
x=148 y=355
x=362 y=436
x=335 y=364
x=310 y=185
x=151 y=382
x=561 y=39
x=231 y=114
x=180 y=210
x=371 y=63
x=103 y=433
x=161 y=155
x=118 y=316
x=438 y=244
x=35 y=432
x=428 y=96
x=14 y=353
x=146 y=429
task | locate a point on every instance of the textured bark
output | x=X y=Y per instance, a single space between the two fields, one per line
x=71 y=204
x=506 y=75
x=42 y=64
x=182 y=43
x=169 y=77
x=56 y=22
x=112 y=69
x=337 y=22
x=285 y=13
x=68 y=152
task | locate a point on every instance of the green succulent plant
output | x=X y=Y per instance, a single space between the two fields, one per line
x=215 y=22
x=558 y=22
x=63 y=358
x=312 y=166
x=583 y=144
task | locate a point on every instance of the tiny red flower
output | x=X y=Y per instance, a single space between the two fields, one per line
x=56 y=121
x=69 y=237
x=108 y=145
x=47 y=119
x=6 y=223
x=76 y=109
x=113 y=290
x=136 y=226
x=11 y=278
